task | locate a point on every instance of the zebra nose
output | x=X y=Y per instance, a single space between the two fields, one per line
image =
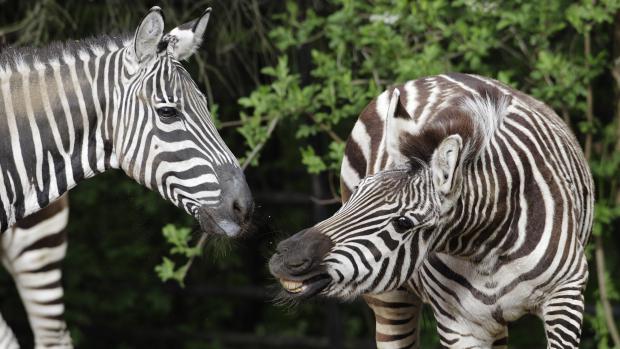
x=303 y=251
x=232 y=215
x=241 y=203
x=237 y=205
x=295 y=259
x=243 y=206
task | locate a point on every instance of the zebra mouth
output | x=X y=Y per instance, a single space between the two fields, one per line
x=211 y=225
x=305 y=288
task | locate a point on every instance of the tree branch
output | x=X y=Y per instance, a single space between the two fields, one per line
x=257 y=149
x=598 y=239
x=236 y=123
x=326 y=128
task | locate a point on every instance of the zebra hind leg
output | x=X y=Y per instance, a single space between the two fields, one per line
x=32 y=253
x=563 y=316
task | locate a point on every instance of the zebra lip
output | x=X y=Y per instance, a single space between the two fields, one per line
x=224 y=227
x=305 y=288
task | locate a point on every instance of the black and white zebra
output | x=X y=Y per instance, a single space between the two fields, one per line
x=462 y=193
x=75 y=109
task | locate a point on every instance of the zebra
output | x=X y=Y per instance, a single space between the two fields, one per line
x=462 y=193
x=75 y=109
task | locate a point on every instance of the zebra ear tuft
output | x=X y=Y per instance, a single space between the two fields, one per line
x=445 y=165
x=184 y=40
x=149 y=34
x=392 y=133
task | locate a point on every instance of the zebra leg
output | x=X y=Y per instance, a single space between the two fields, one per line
x=7 y=338
x=563 y=316
x=32 y=252
x=397 y=315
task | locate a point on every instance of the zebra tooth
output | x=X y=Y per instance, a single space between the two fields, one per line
x=292 y=286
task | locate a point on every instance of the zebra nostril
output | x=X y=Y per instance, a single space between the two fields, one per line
x=237 y=208
x=298 y=263
x=242 y=211
x=281 y=248
x=236 y=197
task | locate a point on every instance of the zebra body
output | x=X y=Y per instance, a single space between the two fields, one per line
x=465 y=194
x=76 y=109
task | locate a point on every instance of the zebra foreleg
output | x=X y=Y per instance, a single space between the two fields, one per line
x=397 y=319
x=32 y=253
x=563 y=317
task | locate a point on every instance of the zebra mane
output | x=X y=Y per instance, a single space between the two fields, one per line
x=487 y=111
x=475 y=117
x=14 y=56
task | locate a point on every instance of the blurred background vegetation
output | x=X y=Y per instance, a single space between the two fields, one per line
x=286 y=81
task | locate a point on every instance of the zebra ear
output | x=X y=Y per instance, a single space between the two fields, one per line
x=396 y=114
x=184 y=40
x=149 y=34
x=445 y=164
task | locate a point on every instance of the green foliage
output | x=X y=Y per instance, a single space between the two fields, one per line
x=180 y=239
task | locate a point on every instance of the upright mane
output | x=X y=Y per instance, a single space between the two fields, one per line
x=475 y=116
x=13 y=56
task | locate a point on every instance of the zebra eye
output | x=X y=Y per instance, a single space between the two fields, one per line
x=167 y=112
x=402 y=224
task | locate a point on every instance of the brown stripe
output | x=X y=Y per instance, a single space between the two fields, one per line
x=354 y=154
x=385 y=321
x=43 y=214
x=376 y=302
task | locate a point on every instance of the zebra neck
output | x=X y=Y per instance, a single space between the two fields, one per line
x=54 y=128
x=478 y=218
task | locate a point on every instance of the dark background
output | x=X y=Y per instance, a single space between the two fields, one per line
x=115 y=299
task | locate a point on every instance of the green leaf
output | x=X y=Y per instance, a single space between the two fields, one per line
x=313 y=162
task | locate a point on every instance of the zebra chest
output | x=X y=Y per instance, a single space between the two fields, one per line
x=478 y=292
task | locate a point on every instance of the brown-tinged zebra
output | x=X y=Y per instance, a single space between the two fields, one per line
x=75 y=109
x=462 y=193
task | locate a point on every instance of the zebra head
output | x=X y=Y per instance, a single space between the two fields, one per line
x=379 y=236
x=163 y=136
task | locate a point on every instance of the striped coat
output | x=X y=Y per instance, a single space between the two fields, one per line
x=462 y=193
x=72 y=110
x=498 y=258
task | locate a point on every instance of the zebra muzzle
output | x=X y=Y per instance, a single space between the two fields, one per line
x=232 y=216
x=297 y=263
x=215 y=224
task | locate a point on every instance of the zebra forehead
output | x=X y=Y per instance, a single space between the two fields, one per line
x=380 y=179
